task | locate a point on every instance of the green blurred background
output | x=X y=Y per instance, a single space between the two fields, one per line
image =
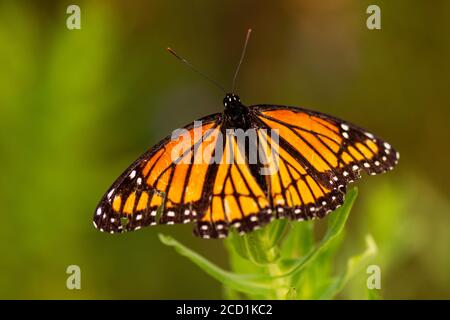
x=78 y=106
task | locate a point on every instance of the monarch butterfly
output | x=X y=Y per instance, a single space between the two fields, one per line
x=317 y=157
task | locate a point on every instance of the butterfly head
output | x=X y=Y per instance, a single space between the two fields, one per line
x=236 y=114
x=231 y=100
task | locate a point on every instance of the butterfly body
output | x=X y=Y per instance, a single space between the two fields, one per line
x=236 y=115
x=290 y=163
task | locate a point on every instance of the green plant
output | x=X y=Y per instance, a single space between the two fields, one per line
x=283 y=260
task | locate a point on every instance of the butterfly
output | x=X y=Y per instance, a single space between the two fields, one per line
x=243 y=168
x=317 y=157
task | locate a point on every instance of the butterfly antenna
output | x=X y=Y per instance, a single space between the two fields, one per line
x=240 y=61
x=195 y=70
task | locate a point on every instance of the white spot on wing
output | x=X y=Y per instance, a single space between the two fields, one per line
x=110 y=193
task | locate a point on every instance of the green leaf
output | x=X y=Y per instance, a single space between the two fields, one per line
x=243 y=283
x=260 y=249
x=299 y=240
x=234 y=241
x=238 y=258
x=336 y=224
x=275 y=230
x=354 y=265
x=260 y=246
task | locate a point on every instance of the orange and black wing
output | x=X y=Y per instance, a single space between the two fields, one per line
x=319 y=156
x=165 y=185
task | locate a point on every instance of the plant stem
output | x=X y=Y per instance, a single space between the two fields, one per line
x=263 y=251
x=273 y=268
x=282 y=283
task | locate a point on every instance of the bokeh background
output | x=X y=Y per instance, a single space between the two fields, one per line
x=78 y=106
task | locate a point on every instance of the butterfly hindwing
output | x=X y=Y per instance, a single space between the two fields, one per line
x=237 y=199
x=240 y=201
x=295 y=191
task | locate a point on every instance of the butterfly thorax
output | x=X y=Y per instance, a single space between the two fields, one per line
x=236 y=115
